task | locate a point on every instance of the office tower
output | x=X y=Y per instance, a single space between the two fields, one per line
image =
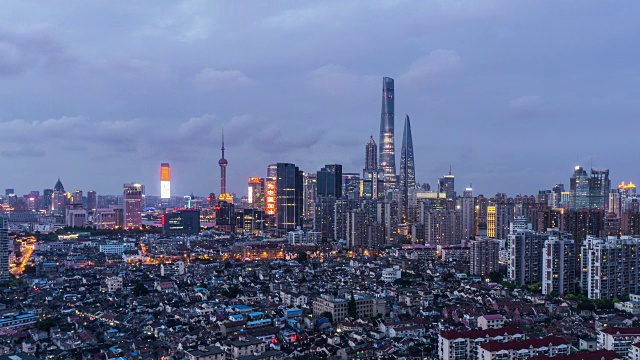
x=225 y=216
x=8 y=192
x=58 y=202
x=351 y=185
x=289 y=197
x=579 y=189
x=485 y=256
x=310 y=189
x=77 y=197
x=92 y=200
x=628 y=197
x=223 y=171
x=599 y=187
x=4 y=249
x=610 y=267
x=525 y=254
x=256 y=193
x=446 y=185
x=181 y=222
x=132 y=205
x=165 y=181
x=272 y=172
x=371 y=155
x=329 y=184
x=407 y=168
x=558 y=264
x=387 y=157
x=329 y=181
x=45 y=204
x=556 y=196
x=468 y=207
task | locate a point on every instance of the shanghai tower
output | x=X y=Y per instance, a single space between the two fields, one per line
x=387 y=157
x=407 y=167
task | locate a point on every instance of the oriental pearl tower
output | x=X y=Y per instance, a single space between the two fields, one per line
x=223 y=170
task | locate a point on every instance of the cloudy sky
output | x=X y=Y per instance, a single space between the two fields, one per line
x=511 y=94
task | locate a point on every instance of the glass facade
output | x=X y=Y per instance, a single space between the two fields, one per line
x=387 y=158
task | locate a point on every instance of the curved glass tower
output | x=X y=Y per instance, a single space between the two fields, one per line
x=407 y=166
x=387 y=157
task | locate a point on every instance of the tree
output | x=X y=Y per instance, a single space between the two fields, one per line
x=140 y=290
x=327 y=315
x=46 y=324
x=302 y=257
x=352 y=308
x=228 y=264
x=495 y=277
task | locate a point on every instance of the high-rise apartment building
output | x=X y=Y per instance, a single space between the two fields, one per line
x=132 y=205
x=289 y=197
x=524 y=254
x=387 y=157
x=579 y=189
x=407 y=169
x=610 y=267
x=310 y=189
x=484 y=256
x=558 y=264
x=467 y=210
x=4 y=248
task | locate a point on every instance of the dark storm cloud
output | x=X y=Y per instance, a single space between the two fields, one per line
x=506 y=92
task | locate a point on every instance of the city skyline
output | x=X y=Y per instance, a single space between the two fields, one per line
x=119 y=111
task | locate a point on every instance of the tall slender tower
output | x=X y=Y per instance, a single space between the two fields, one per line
x=407 y=167
x=371 y=160
x=223 y=170
x=387 y=158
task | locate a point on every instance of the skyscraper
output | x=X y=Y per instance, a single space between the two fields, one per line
x=310 y=188
x=223 y=171
x=58 y=202
x=599 y=187
x=371 y=157
x=579 y=189
x=446 y=185
x=289 y=189
x=165 y=181
x=558 y=264
x=4 y=248
x=387 y=158
x=256 y=193
x=132 y=205
x=468 y=204
x=330 y=181
x=92 y=200
x=407 y=167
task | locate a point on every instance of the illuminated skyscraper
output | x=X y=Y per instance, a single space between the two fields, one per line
x=255 y=193
x=310 y=188
x=223 y=170
x=407 y=167
x=446 y=185
x=165 y=181
x=387 y=158
x=58 y=201
x=132 y=205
